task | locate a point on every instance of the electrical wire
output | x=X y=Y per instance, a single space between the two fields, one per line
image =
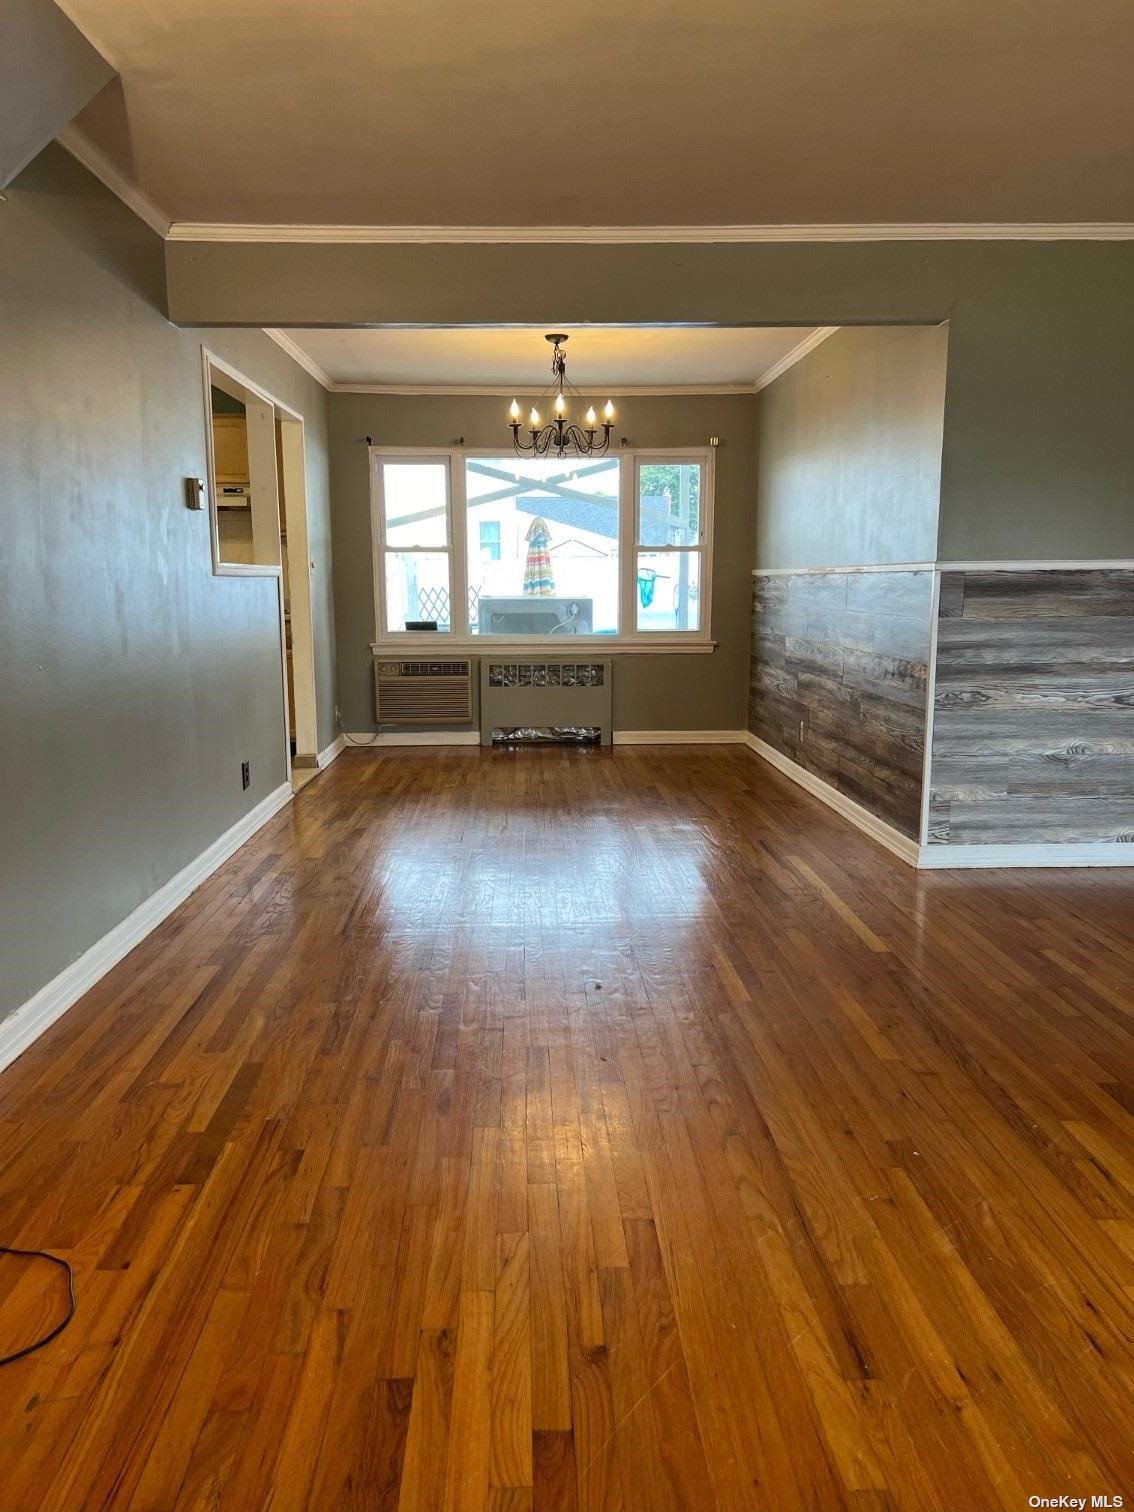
x=22 y=1354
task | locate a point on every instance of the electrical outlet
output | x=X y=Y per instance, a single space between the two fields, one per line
x=245 y=774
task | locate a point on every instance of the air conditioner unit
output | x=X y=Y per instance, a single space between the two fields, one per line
x=422 y=693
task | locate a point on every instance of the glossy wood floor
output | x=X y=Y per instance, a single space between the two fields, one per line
x=571 y=1129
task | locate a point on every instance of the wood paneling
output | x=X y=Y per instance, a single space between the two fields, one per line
x=838 y=681
x=581 y=1131
x=1033 y=730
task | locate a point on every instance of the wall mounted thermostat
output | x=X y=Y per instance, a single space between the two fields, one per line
x=194 y=493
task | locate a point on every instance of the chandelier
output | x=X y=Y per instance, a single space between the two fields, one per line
x=561 y=436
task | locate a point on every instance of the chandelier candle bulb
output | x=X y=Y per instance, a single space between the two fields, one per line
x=533 y=418
x=608 y=413
x=515 y=413
x=591 y=418
x=560 y=405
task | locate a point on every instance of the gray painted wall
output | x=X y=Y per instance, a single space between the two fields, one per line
x=48 y=72
x=1039 y=449
x=134 y=681
x=651 y=692
x=849 y=451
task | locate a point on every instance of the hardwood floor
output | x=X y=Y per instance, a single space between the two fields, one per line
x=581 y=1130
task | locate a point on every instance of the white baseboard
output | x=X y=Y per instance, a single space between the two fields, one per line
x=416 y=738
x=30 y=1020
x=964 y=857
x=943 y=857
x=680 y=737
x=901 y=845
x=336 y=746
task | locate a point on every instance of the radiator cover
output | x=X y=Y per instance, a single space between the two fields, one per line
x=545 y=693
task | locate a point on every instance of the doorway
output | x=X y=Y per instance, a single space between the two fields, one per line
x=299 y=640
x=258 y=514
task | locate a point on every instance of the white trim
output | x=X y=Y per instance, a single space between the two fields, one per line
x=1115 y=564
x=366 y=738
x=30 y=1020
x=680 y=737
x=965 y=857
x=95 y=161
x=616 y=391
x=943 y=857
x=336 y=748
x=297 y=354
x=902 y=846
x=442 y=647
x=789 y=360
x=835 y=571
x=212 y=231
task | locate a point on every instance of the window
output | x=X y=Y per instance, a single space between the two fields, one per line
x=490 y=540
x=670 y=540
x=415 y=543
x=555 y=525
x=474 y=544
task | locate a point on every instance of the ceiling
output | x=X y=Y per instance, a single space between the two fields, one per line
x=643 y=113
x=617 y=359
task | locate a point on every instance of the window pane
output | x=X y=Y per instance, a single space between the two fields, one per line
x=542 y=546
x=669 y=590
x=417 y=588
x=669 y=504
x=415 y=502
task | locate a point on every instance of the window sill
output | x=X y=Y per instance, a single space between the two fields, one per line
x=502 y=645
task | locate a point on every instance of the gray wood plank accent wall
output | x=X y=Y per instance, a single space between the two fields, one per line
x=838 y=681
x=1033 y=724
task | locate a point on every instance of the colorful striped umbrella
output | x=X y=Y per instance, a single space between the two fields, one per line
x=538 y=579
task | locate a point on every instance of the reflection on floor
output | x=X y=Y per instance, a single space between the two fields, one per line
x=582 y=1129
x=301 y=776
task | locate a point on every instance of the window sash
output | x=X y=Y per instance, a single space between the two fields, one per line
x=642 y=460
x=407 y=457
x=629 y=547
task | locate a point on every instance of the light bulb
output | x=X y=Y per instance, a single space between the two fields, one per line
x=560 y=404
x=591 y=418
x=515 y=412
x=608 y=412
x=533 y=418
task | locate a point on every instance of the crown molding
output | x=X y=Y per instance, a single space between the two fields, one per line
x=500 y=391
x=789 y=359
x=84 y=151
x=505 y=391
x=205 y=231
x=297 y=354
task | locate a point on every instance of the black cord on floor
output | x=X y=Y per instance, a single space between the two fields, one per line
x=22 y=1354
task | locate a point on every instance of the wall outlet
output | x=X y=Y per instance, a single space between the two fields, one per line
x=245 y=774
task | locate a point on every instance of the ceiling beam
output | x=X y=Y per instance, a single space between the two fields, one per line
x=48 y=72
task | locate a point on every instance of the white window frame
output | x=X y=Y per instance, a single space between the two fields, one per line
x=458 y=615
x=702 y=546
x=458 y=638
